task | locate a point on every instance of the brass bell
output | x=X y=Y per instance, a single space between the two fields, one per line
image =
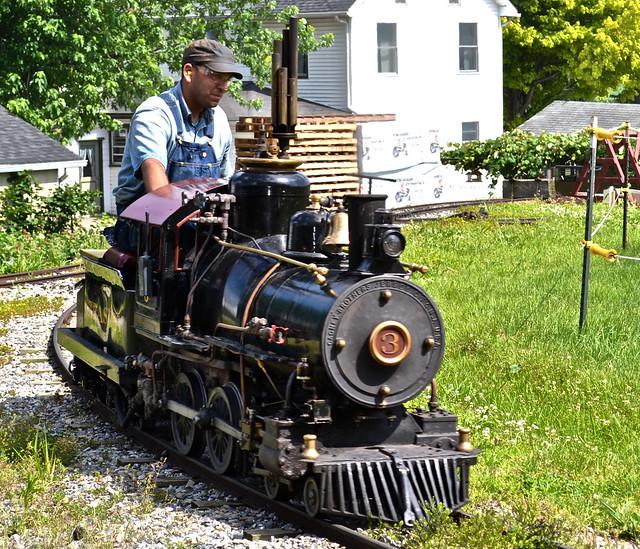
x=338 y=230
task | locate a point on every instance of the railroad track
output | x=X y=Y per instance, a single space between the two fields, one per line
x=430 y=212
x=43 y=275
x=200 y=470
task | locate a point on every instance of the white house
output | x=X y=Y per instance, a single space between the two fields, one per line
x=432 y=62
x=435 y=64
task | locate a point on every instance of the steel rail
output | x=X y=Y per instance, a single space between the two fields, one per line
x=201 y=470
x=43 y=275
x=422 y=212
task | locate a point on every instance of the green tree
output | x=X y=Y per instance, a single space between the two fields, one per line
x=65 y=63
x=572 y=50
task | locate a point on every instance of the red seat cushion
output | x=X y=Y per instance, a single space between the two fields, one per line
x=120 y=259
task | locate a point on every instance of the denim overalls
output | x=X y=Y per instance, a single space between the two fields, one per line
x=190 y=159
x=187 y=160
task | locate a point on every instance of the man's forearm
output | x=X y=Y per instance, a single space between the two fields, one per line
x=154 y=175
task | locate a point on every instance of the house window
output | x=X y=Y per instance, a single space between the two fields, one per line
x=470 y=131
x=117 y=141
x=387 y=48
x=469 y=47
x=401 y=1
x=303 y=65
x=456 y=2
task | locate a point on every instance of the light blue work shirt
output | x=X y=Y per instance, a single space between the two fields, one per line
x=153 y=134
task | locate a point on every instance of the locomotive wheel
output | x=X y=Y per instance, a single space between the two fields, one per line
x=274 y=488
x=226 y=404
x=188 y=390
x=311 y=496
x=117 y=402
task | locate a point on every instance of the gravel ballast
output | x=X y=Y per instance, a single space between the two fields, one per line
x=112 y=472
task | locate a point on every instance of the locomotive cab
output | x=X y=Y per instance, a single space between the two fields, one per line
x=167 y=244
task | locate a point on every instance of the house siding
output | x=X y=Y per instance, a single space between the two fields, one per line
x=429 y=89
x=328 y=68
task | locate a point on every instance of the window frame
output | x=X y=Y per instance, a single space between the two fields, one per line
x=117 y=142
x=468 y=48
x=473 y=127
x=390 y=50
x=303 y=66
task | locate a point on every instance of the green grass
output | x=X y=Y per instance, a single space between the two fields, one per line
x=37 y=511
x=553 y=407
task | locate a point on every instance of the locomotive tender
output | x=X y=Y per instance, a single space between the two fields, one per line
x=261 y=340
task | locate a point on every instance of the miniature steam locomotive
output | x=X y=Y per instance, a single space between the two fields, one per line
x=277 y=333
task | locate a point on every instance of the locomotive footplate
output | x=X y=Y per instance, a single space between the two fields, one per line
x=391 y=483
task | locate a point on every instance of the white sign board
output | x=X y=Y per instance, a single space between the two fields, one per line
x=387 y=146
x=404 y=163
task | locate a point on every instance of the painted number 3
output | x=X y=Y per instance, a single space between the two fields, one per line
x=389 y=343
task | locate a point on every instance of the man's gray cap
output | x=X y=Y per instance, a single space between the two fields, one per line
x=212 y=55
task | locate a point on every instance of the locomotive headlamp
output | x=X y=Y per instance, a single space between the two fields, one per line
x=392 y=243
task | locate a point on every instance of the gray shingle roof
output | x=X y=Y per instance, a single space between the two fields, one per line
x=234 y=111
x=318 y=6
x=573 y=116
x=21 y=143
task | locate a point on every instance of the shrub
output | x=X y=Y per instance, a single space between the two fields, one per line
x=19 y=203
x=24 y=209
x=517 y=154
x=63 y=208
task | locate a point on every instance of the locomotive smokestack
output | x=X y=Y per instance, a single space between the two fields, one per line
x=284 y=87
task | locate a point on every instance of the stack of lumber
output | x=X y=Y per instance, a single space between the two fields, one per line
x=326 y=145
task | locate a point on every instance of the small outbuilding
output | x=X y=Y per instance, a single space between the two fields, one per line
x=574 y=116
x=23 y=147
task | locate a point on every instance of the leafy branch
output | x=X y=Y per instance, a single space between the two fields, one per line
x=517 y=154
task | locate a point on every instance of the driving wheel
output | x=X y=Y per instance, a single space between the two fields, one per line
x=189 y=390
x=225 y=404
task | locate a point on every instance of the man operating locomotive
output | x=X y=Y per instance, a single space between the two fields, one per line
x=179 y=134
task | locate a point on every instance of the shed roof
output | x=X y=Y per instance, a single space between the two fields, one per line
x=573 y=116
x=23 y=147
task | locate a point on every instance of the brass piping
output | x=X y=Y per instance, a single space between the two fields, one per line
x=413 y=267
x=264 y=370
x=319 y=273
x=231 y=327
x=177 y=242
x=244 y=322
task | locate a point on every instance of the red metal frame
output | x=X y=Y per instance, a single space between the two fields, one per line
x=613 y=162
